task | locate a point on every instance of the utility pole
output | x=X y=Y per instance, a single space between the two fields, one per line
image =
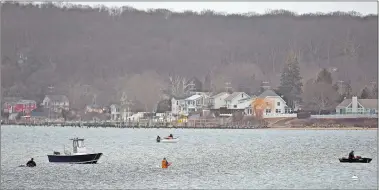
x=191 y=86
x=94 y=99
x=50 y=92
x=228 y=88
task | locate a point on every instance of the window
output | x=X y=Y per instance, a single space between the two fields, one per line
x=278 y=111
x=278 y=103
x=235 y=106
x=177 y=102
x=268 y=110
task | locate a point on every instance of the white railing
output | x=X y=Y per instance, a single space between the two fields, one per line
x=278 y=115
x=344 y=116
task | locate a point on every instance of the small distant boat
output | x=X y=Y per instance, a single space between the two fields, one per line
x=168 y=140
x=79 y=155
x=355 y=160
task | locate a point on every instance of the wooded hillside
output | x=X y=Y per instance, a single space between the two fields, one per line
x=83 y=51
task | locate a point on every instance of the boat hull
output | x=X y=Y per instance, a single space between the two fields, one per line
x=356 y=160
x=169 y=140
x=75 y=159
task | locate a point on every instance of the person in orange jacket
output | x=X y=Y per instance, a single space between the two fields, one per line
x=165 y=163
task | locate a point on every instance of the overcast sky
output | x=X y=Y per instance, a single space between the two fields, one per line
x=259 y=7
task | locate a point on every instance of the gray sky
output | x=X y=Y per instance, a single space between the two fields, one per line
x=259 y=7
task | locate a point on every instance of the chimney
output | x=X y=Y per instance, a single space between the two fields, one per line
x=354 y=104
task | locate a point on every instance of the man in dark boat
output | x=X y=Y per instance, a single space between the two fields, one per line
x=31 y=163
x=351 y=155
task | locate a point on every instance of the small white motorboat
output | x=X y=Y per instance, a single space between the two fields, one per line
x=168 y=140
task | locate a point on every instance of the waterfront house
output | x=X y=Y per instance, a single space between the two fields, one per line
x=18 y=105
x=195 y=103
x=235 y=98
x=178 y=106
x=56 y=102
x=358 y=106
x=115 y=112
x=276 y=106
x=94 y=109
x=217 y=101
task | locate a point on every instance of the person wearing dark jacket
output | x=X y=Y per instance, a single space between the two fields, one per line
x=351 y=155
x=31 y=163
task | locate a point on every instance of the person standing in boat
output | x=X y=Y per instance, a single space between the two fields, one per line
x=31 y=163
x=351 y=155
x=171 y=136
x=165 y=163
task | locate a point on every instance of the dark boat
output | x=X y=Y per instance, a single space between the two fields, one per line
x=79 y=156
x=356 y=160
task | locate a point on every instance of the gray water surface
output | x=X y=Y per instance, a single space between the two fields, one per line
x=202 y=159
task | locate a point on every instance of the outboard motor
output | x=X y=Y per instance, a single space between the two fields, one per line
x=158 y=139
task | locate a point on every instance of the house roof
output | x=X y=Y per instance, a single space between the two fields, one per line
x=180 y=97
x=193 y=97
x=115 y=105
x=57 y=98
x=369 y=103
x=366 y=103
x=219 y=94
x=245 y=104
x=268 y=92
x=233 y=95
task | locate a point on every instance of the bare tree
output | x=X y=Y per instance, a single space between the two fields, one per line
x=320 y=96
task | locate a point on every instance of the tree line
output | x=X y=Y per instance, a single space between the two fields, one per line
x=86 y=51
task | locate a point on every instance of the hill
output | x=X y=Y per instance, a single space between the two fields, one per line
x=83 y=51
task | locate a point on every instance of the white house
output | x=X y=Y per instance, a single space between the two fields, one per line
x=115 y=112
x=245 y=105
x=275 y=104
x=235 y=98
x=194 y=103
x=56 y=102
x=358 y=106
x=136 y=117
x=217 y=101
x=178 y=106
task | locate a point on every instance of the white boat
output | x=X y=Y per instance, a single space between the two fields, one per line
x=164 y=140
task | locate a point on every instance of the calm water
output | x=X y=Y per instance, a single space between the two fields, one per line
x=203 y=159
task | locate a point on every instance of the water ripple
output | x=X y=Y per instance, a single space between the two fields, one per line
x=203 y=159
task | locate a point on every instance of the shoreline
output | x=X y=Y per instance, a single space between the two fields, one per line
x=321 y=128
x=234 y=127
